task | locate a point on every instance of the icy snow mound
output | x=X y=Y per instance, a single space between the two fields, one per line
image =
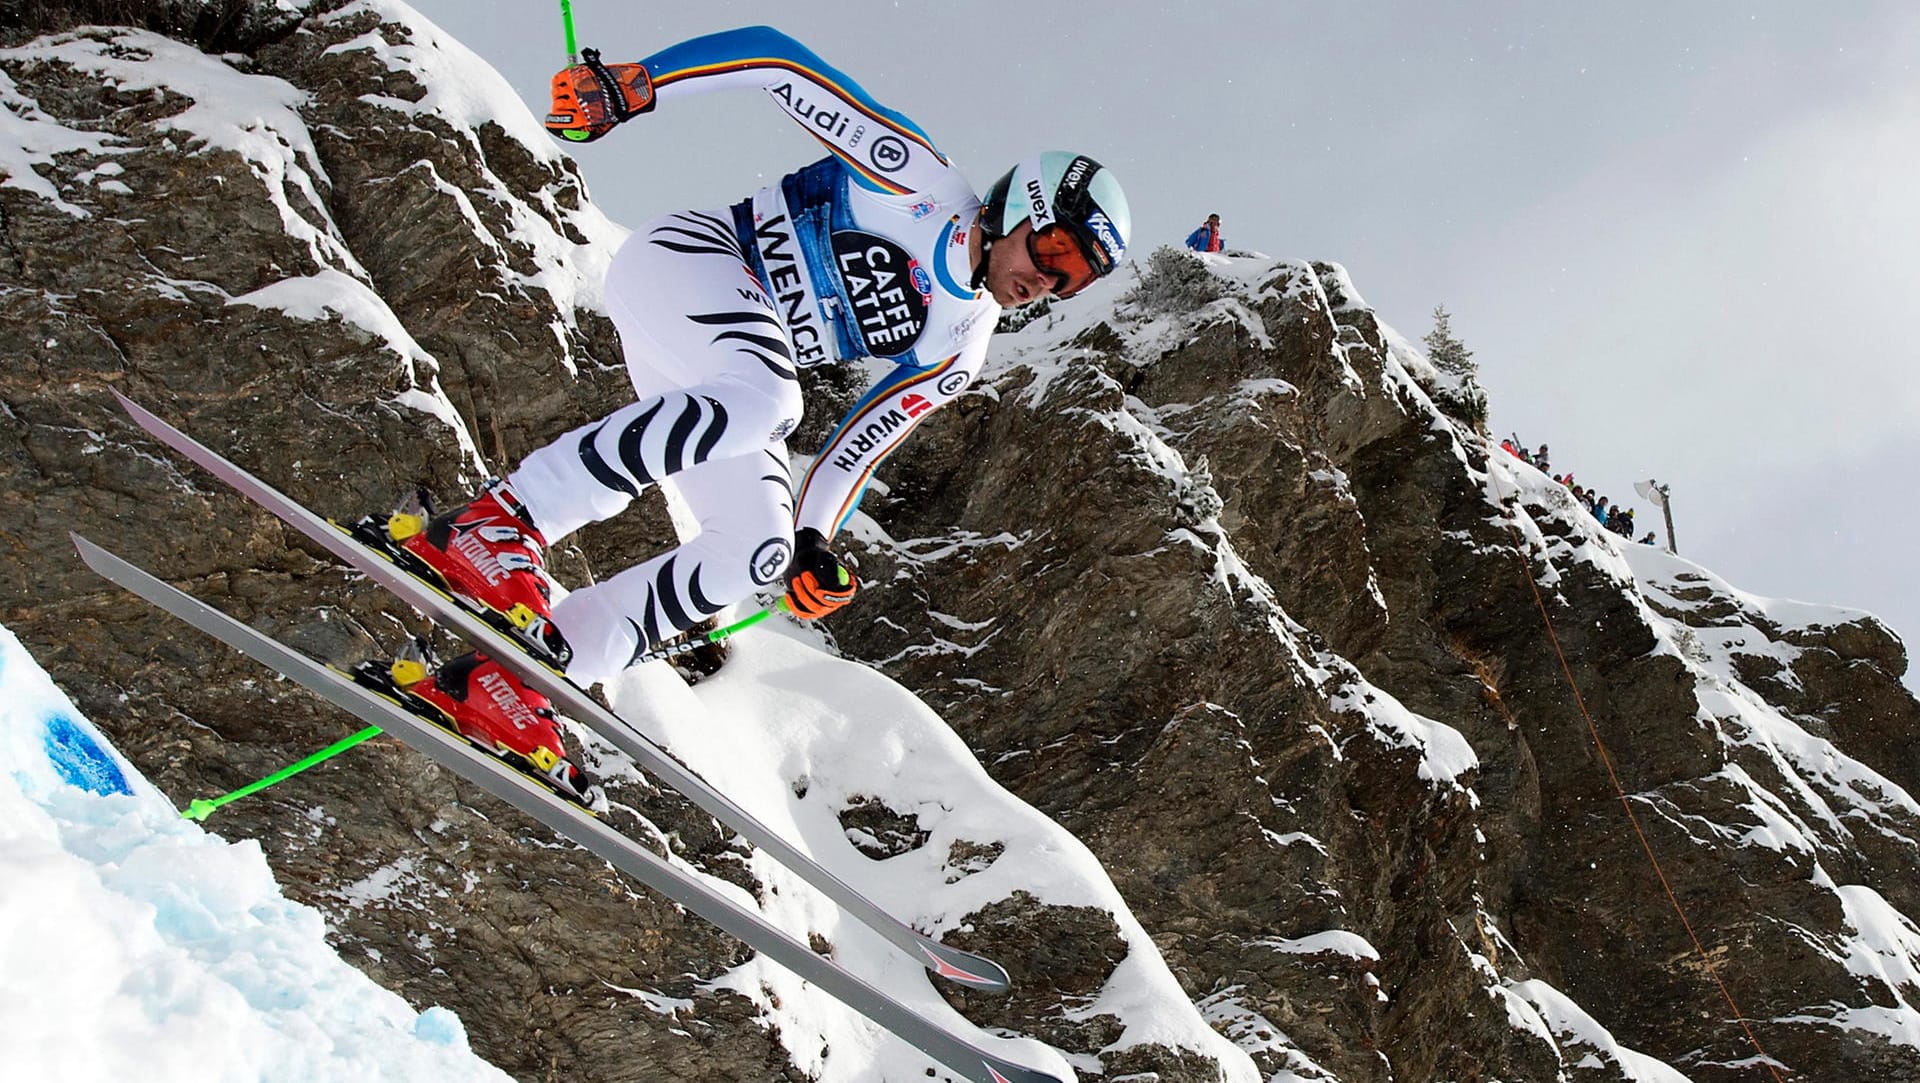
x=136 y=945
x=796 y=735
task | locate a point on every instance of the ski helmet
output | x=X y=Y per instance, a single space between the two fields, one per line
x=1080 y=218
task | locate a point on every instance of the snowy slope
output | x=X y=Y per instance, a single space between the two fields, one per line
x=794 y=735
x=137 y=945
x=194 y=966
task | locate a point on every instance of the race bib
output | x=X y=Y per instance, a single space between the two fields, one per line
x=888 y=289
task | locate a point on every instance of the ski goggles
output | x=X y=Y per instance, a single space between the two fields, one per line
x=1073 y=261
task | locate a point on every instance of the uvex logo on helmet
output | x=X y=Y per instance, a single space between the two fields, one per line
x=1077 y=173
x=1039 y=207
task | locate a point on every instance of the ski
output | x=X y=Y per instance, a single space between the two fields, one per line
x=962 y=967
x=572 y=822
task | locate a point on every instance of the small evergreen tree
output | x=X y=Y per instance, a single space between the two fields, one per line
x=1446 y=351
x=1461 y=395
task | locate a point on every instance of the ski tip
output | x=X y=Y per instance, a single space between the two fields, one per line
x=142 y=416
x=96 y=557
x=133 y=408
x=966 y=968
x=88 y=551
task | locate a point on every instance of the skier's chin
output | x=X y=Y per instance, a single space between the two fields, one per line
x=1008 y=295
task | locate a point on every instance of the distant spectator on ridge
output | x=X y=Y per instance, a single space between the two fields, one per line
x=1207 y=238
x=1540 y=458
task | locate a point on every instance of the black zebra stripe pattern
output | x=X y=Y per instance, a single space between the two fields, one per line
x=647 y=453
x=704 y=235
x=665 y=599
x=760 y=335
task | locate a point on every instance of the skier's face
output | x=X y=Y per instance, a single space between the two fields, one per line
x=1011 y=276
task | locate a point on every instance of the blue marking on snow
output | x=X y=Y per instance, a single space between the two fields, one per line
x=80 y=761
x=441 y=1027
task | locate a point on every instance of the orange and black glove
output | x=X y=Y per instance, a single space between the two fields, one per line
x=817 y=583
x=590 y=98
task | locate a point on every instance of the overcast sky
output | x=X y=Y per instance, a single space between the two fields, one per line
x=1680 y=238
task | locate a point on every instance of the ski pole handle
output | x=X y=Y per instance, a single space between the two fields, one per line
x=566 y=19
x=688 y=644
x=201 y=808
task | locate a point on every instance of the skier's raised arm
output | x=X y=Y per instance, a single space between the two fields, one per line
x=883 y=149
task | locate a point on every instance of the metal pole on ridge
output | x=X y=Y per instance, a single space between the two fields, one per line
x=1661 y=495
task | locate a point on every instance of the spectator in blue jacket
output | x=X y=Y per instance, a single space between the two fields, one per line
x=1207 y=238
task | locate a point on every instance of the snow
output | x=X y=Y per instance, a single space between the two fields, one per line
x=329 y=293
x=1578 y=1035
x=1227 y=1011
x=135 y=944
x=795 y=735
x=467 y=93
x=1661 y=574
x=1331 y=942
x=254 y=116
x=30 y=139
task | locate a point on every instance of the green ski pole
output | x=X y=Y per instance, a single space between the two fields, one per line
x=201 y=808
x=566 y=19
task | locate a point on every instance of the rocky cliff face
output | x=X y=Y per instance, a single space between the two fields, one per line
x=1338 y=697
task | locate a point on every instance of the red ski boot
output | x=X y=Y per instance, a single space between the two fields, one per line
x=488 y=554
x=477 y=698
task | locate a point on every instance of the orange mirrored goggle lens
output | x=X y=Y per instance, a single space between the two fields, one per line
x=1055 y=251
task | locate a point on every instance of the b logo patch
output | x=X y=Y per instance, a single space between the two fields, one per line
x=769 y=561
x=888 y=154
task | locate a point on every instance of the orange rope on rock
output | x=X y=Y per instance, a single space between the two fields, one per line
x=1626 y=803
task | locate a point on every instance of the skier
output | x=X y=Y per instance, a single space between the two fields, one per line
x=881 y=250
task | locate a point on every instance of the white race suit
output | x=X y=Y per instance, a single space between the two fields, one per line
x=863 y=254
